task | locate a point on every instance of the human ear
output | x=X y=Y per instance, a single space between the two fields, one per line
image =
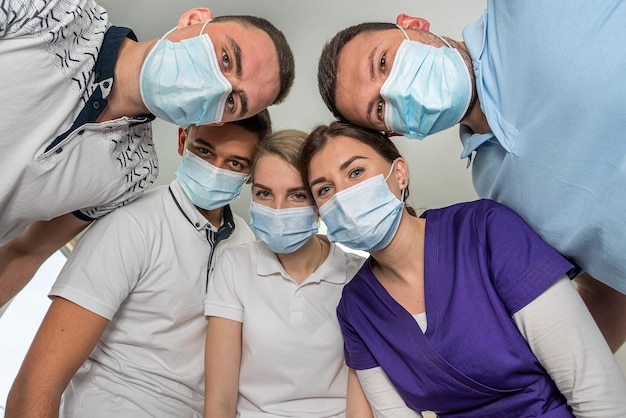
x=410 y=22
x=401 y=169
x=193 y=16
x=182 y=137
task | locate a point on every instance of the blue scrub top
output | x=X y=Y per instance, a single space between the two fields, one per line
x=550 y=79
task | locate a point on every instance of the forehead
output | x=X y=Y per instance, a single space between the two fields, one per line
x=273 y=171
x=336 y=152
x=358 y=74
x=259 y=77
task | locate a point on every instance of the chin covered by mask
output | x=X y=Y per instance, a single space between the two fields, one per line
x=365 y=216
x=181 y=82
x=428 y=90
x=208 y=187
x=283 y=230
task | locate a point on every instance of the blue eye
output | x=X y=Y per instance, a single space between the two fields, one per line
x=323 y=190
x=356 y=172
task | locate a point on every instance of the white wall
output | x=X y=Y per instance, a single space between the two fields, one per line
x=438 y=176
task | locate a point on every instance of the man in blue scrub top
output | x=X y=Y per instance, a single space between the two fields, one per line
x=539 y=91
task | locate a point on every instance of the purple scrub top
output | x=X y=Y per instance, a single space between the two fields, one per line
x=483 y=263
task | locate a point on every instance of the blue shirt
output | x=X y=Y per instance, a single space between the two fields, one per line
x=550 y=79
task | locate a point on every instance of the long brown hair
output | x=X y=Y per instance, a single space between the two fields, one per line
x=322 y=134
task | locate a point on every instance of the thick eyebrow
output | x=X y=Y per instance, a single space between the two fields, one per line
x=289 y=190
x=203 y=142
x=342 y=167
x=297 y=189
x=346 y=164
x=240 y=158
x=237 y=51
x=243 y=97
x=370 y=60
x=243 y=100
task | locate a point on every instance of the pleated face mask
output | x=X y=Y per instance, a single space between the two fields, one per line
x=428 y=89
x=181 y=82
x=283 y=230
x=207 y=186
x=365 y=216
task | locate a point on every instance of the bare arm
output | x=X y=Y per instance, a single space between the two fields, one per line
x=222 y=362
x=21 y=258
x=65 y=339
x=356 y=402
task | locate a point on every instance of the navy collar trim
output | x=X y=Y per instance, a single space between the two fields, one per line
x=103 y=77
x=228 y=224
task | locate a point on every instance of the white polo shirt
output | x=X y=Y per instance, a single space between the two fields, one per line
x=57 y=62
x=292 y=362
x=144 y=267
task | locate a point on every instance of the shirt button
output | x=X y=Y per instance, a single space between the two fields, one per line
x=58 y=150
x=106 y=84
x=82 y=131
x=197 y=224
x=96 y=105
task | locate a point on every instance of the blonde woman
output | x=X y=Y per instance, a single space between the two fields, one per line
x=274 y=346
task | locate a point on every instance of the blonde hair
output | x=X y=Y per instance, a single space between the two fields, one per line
x=285 y=144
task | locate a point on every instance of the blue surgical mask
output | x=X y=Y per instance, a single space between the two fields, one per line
x=283 y=230
x=207 y=186
x=181 y=82
x=428 y=89
x=365 y=216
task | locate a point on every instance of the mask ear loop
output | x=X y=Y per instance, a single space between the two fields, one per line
x=204 y=26
x=404 y=32
x=407 y=36
x=176 y=27
x=390 y=170
x=444 y=41
x=389 y=175
x=168 y=32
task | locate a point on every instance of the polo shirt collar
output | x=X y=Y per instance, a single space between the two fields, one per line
x=104 y=70
x=332 y=270
x=193 y=215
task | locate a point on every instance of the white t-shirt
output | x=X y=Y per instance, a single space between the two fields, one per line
x=144 y=267
x=292 y=362
x=54 y=159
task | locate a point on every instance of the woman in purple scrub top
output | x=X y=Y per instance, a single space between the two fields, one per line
x=463 y=310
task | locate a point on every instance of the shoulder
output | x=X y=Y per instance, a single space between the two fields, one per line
x=240 y=254
x=51 y=17
x=353 y=262
x=477 y=212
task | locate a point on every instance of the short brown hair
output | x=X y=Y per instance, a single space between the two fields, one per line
x=327 y=66
x=285 y=144
x=260 y=124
